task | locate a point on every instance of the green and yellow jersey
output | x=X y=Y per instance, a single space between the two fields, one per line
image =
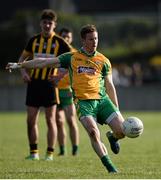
x=87 y=73
x=39 y=46
x=64 y=83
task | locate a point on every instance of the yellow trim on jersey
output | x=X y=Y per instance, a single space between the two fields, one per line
x=49 y=43
x=57 y=95
x=44 y=73
x=50 y=71
x=55 y=53
x=34 y=45
x=33 y=49
x=56 y=48
x=55 y=71
x=39 y=51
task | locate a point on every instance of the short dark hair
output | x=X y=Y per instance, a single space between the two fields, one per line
x=87 y=29
x=64 y=29
x=49 y=14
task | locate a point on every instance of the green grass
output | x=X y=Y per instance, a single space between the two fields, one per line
x=139 y=158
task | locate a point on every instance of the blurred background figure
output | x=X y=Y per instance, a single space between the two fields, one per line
x=66 y=106
x=136 y=77
x=124 y=74
x=116 y=76
x=67 y=34
x=40 y=91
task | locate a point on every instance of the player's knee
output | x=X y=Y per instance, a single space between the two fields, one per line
x=71 y=124
x=59 y=123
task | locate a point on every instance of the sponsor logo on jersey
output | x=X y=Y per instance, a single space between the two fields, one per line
x=88 y=70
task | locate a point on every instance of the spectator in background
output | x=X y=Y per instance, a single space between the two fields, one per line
x=137 y=75
x=125 y=73
x=116 y=76
x=66 y=34
x=40 y=91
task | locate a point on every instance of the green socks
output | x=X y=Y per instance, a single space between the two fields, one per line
x=75 y=150
x=106 y=161
x=62 y=150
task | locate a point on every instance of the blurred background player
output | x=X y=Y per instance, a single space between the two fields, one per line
x=66 y=106
x=40 y=91
x=67 y=34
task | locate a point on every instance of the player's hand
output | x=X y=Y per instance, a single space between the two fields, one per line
x=12 y=65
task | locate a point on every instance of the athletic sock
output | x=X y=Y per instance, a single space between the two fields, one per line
x=50 y=151
x=34 y=149
x=108 y=164
x=62 y=150
x=74 y=149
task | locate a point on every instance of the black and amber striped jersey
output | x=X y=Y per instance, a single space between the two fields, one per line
x=40 y=46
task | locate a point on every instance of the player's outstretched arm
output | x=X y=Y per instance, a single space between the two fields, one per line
x=35 y=63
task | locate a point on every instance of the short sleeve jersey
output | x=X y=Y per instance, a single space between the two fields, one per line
x=86 y=73
x=38 y=46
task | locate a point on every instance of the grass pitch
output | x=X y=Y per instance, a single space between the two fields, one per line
x=139 y=158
